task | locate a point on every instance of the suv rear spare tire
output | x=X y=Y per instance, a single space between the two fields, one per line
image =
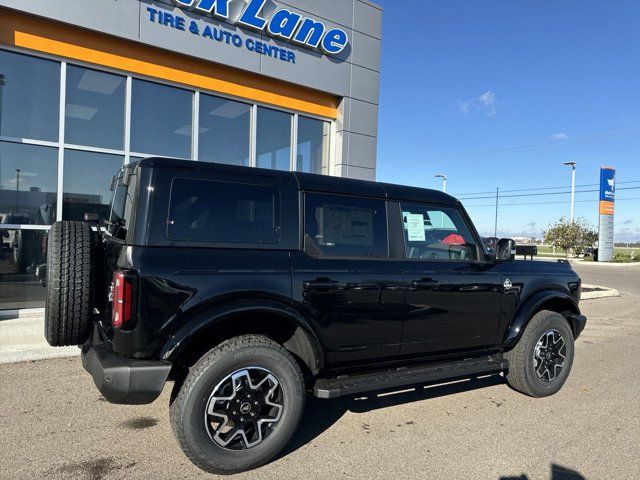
x=71 y=277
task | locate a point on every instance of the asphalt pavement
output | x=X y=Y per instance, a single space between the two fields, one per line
x=55 y=425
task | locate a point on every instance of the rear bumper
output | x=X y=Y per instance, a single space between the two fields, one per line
x=120 y=379
x=578 y=322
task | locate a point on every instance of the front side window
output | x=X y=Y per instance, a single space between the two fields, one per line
x=340 y=226
x=436 y=234
x=223 y=212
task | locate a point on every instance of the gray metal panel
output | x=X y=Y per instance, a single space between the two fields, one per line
x=337 y=11
x=197 y=46
x=366 y=51
x=361 y=150
x=367 y=19
x=342 y=147
x=344 y=110
x=362 y=117
x=358 y=173
x=311 y=69
x=119 y=18
x=365 y=84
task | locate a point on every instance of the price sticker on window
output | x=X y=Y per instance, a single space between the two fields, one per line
x=415 y=227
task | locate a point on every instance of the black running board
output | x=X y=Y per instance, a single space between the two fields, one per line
x=351 y=384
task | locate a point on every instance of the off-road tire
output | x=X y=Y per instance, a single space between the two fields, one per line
x=190 y=396
x=26 y=250
x=71 y=274
x=521 y=375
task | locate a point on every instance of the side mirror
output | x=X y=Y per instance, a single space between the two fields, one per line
x=506 y=250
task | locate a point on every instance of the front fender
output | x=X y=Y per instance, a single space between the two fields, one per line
x=555 y=300
x=216 y=314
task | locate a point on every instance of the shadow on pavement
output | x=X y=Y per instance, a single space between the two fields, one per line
x=558 y=472
x=320 y=415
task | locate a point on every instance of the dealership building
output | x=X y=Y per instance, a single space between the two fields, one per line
x=88 y=86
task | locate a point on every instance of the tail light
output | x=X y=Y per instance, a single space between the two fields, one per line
x=123 y=310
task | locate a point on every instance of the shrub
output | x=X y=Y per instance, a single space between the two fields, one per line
x=574 y=236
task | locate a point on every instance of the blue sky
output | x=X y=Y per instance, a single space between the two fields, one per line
x=499 y=94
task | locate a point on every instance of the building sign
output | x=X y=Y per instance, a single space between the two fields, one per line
x=218 y=34
x=607 y=210
x=281 y=24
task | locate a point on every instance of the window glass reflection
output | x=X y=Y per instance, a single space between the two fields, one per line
x=274 y=139
x=94 y=112
x=313 y=146
x=28 y=184
x=23 y=261
x=161 y=120
x=29 y=97
x=225 y=127
x=86 y=183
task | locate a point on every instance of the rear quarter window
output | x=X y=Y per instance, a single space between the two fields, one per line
x=121 y=208
x=211 y=211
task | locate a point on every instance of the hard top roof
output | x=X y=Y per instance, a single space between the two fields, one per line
x=312 y=182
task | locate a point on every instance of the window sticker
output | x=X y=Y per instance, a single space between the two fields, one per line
x=415 y=227
x=347 y=225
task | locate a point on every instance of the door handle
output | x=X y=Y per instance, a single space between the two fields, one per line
x=424 y=283
x=318 y=284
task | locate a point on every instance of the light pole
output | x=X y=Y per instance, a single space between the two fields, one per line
x=17 y=189
x=444 y=181
x=573 y=186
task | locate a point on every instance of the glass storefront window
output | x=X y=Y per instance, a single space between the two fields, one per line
x=161 y=119
x=225 y=131
x=23 y=259
x=273 y=139
x=161 y=123
x=86 y=183
x=313 y=146
x=28 y=184
x=29 y=97
x=94 y=112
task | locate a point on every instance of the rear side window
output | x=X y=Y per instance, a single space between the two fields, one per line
x=223 y=212
x=340 y=226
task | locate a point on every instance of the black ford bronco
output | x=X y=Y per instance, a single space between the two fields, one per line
x=251 y=288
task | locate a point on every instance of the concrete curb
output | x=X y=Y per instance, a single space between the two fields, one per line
x=22 y=340
x=27 y=353
x=579 y=261
x=606 y=264
x=601 y=292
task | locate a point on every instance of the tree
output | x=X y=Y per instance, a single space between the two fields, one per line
x=574 y=236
